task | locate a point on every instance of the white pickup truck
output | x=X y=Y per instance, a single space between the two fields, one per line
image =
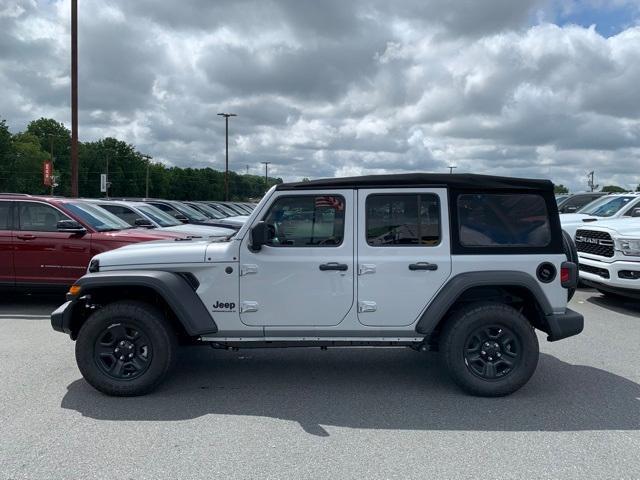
x=610 y=207
x=609 y=256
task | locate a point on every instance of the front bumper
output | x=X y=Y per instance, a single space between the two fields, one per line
x=61 y=317
x=609 y=273
x=563 y=325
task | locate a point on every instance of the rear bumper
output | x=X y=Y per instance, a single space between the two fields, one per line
x=563 y=325
x=61 y=317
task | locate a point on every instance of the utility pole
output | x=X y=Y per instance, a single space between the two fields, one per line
x=146 y=185
x=591 y=181
x=226 y=143
x=451 y=168
x=266 y=174
x=74 y=98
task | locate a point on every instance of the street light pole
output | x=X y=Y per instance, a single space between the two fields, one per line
x=226 y=143
x=451 y=168
x=74 y=98
x=266 y=174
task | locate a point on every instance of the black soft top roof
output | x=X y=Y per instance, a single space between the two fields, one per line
x=456 y=180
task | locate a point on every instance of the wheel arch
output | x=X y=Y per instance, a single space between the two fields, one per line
x=173 y=293
x=518 y=289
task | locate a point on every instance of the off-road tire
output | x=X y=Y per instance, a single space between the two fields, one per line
x=460 y=327
x=147 y=320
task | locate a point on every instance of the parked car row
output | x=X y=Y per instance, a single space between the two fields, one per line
x=47 y=242
x=607 y=237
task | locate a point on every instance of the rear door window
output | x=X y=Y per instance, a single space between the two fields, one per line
x=403 y=220
x=503 y=220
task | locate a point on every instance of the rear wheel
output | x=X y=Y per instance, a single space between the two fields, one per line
x=489 y=349
x=125 y=348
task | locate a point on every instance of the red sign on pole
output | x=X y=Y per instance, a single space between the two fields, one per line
x=47 y=170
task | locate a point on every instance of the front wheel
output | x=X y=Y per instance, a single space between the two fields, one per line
x=125 y=348
x=489 y=349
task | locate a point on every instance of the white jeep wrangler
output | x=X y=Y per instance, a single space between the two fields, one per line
x=467 y=265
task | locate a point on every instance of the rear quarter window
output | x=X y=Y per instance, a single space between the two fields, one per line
x=503 y=220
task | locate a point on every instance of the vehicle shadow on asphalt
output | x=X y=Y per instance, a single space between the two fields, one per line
x=624 y=306
x=21 y=303
x=368 y=388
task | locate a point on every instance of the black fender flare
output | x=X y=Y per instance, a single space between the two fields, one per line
x=170 y=286
x=456 y=286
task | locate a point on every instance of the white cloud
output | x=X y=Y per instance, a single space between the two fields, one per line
x=349 y=88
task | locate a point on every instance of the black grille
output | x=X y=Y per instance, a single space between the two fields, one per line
x=595 y=270
x=594 y=243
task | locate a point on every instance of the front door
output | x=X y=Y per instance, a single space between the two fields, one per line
x=305 y=275
x=6 y=244
x=403 y=253
x=44 y=255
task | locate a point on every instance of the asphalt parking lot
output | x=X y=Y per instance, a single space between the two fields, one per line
x=307 y=413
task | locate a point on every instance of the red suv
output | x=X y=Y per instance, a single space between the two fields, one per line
x=48 y=242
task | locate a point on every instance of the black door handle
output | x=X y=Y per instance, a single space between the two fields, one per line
x=342 y=267
x=423 y=266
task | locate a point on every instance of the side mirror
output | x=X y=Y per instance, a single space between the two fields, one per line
x=70 y=226
x=261 y=234
x=181 y=217
x=571 y=209
x=635 y=212
x=143 y=222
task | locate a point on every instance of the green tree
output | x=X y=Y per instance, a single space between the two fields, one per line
x=7 y=156
x=558 y=189
x=27 y=169
x=51 y=133
x=613 y=189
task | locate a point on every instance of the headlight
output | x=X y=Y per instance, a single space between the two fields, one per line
x=629 y=246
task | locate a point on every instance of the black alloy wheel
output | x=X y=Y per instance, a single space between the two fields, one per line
x=491 y=352
x=123 y=351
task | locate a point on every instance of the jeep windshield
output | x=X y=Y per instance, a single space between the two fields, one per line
x=98 y=218
x=161 y=218
x=606 y=206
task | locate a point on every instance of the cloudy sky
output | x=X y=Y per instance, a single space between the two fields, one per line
x=538 y=88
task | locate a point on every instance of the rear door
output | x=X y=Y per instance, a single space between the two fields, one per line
x=403 y=253
x=7 y=274
x=44 y=255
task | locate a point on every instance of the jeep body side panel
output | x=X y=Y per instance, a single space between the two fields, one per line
x=174 y=289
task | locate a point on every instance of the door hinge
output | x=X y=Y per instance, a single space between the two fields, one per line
x=248 y=268
x=367 y=306
x=365 y=268
x=246 y=307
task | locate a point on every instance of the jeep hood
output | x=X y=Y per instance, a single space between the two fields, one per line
x=155 y=253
